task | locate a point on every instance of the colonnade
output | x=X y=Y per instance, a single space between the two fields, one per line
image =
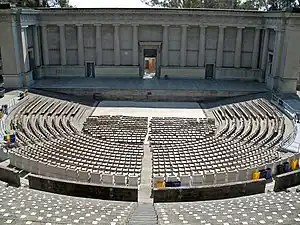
x=165 y=44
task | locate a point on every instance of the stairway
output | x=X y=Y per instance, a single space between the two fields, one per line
x=144 y=214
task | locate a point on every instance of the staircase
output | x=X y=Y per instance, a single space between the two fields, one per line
x=144 y=214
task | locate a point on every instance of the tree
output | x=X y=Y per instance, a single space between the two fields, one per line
x=41 y=3
x=268 y=5
x=188 y=3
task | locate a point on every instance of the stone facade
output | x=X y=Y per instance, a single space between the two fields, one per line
x=190 y=43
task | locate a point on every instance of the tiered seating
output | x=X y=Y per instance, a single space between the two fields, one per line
x=117 y=128
x=271 y=208
x=45 y=118
x=26 y=206
x=188 y=150
x=83 y=158
x=110 y=152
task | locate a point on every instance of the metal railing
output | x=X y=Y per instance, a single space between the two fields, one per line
x=290 y=112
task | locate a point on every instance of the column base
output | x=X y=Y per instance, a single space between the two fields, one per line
x=287 y=85
x=13 y=81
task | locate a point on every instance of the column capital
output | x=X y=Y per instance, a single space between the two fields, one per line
x=135 y=24
x=61 y=25
x=203 y=26
x=240 y=27
x=43 y=25
x=97 y=24
x=116 y=24
x=165 y=25
x=184 y=25
x=258 y=28
x=279 y=29
x=79 y=25
x=23 y=26
x=222 y=27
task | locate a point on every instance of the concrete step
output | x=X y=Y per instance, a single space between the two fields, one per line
x=144 y=214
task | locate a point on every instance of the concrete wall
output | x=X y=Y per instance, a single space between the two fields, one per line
x=85 y=190
x=286 y=180
x=117 y=71
x=209 y=192
x=183 y=72
x=10 y=176
x=239 y=74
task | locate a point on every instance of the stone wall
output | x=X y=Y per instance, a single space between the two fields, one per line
x=209 y=192
x=286 y=180
x=10 y=176
x=85 y=190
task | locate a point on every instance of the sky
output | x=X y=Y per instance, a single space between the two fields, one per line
x=108 y=3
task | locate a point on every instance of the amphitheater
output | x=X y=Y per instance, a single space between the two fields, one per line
x=116 y=116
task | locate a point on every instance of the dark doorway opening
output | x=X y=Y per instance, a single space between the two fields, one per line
x=150 y=64
x=209 y=71
x=90 y=69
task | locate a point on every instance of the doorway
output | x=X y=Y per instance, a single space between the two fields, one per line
x=90 y=69
x=150 y=59
x=209 y=71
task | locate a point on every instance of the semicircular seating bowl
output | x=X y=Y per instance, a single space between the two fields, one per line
x=198 y=153
x=51 y=145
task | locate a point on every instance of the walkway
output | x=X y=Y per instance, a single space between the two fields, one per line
x=144 y=193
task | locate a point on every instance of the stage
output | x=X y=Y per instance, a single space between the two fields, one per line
x=149 y=89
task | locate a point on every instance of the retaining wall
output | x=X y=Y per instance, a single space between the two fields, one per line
x=209 y=192
x=286 y=180
x=10 y=176
x=79 y=189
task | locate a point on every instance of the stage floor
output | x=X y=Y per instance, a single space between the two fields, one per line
x=149 y=84
x=149 y=109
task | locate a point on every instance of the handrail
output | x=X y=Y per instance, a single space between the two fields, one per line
x=286 y=142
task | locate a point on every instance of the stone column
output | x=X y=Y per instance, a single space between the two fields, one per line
x=255 y=48
x=277 y=53
x=98 y=45
x=45 y=45
x=135 y=46
x=202 y=41
x=62 y=43
x=165 y=45
x=183 y=45
x=265 y=50
x=238 y=47
x=219 y=61
x=117 y=58
x=80 y=49
x=36 y=46
x=24 y=48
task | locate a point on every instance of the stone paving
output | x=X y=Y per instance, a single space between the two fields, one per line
x=25 y=206
x=270 y=208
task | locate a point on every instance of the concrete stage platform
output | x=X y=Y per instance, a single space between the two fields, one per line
x=149 y=89
x=149 y=109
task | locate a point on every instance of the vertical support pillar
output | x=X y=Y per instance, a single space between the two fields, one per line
x=117 y=58
x=98 y=45
x=265 y=50
x=45 y=45
x=165 y=46
x=219 y=61
x=62 y=42
x=255 y=48
x=80 y=49
x=183 y=45
x=36 y=46
x=238 y=47
x=24 y=56
x=202 y=41
x=277 y=53
x=135 y=46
